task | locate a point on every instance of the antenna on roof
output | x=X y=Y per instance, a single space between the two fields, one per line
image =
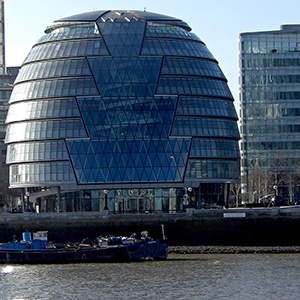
x=145 y=8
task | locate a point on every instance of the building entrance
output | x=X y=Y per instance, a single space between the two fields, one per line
x=131 y=205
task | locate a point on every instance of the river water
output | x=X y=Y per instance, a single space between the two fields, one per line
x=201 y=276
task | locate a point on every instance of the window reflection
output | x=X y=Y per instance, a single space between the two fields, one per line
x=54 y=88
x=66 y=49
x=50 y=129
x=41 y=172
x=36 y=151
x=212 y=169
x=175 y=47
x=56 y=68
x=42 y=109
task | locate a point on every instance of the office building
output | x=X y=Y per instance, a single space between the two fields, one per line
x=7 y=77
x=6 y=85
x=122 y=110
x=270 y=112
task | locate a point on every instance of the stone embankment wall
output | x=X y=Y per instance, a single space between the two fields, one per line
x=230 y=227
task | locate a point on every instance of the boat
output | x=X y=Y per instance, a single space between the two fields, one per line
x=140 y=247
x=38 y=250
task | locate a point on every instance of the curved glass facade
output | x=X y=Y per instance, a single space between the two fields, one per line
x=125 y=101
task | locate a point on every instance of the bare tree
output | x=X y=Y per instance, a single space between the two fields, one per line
x=236 y=191
x=279 y=164
x=259 y=182
x=291 y=178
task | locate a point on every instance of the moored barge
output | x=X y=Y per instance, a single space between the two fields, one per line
x=112 y=249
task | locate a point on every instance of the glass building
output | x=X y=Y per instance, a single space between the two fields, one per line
x=270 y=109
x=7 y=79
x=125 y=110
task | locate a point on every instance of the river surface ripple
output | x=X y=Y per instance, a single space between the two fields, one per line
x=188 y=276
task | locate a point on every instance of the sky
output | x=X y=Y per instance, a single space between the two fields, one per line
x=216 y=22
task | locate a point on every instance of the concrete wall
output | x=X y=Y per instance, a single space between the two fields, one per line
x=273 y=226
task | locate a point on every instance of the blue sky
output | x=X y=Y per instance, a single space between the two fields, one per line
x=217 y=22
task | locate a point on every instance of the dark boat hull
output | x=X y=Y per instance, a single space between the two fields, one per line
x=63 y=256
x=138 y=251
x=157 y=250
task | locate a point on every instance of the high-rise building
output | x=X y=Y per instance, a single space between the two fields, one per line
x=270 y=111
x=6 y=85
x=7 y=78
x=2 y=39
x=124 y=110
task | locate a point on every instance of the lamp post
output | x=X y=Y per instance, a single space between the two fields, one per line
x=189 y=195
x=105 y=199
x=254 y=196
x=275 y=187
x=26 y=200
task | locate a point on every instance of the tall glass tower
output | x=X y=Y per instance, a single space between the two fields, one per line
x=270 y=110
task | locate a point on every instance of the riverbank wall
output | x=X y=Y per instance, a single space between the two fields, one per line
x=219 y=227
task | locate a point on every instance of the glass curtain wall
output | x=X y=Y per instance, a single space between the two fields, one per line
x=270 y=106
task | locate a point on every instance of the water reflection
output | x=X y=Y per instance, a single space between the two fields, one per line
x=193 y=277
x=7 y=270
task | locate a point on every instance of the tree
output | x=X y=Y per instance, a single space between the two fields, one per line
x=291 y=177
x=236 y=191
x=279 y=164
x=259 y=182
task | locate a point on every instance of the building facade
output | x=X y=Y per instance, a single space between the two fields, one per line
x=6 y=86
x=121 y=110
x=7 y=78
x=270 y=112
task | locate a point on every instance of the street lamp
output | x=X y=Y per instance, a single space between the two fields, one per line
x=105 y=198
x=189 y=195
x=275 y=187
x=254 y=196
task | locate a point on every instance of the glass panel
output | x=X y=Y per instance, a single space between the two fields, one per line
x=41 y=109
x=175 y=47
x=56 y=68
x=23 y=152
x=38 y=172
x=212 y=169
x=169 y=31
x=131 y=77
x=194 y=86
x=214 y=148
x=54 y=88
x=161 y=156
x=193 y=126
x=127 y=117
x=50 y=129
x=66 y=49
x=123 y=38
x=190 y=66
x=205 y=106
x=70 y=31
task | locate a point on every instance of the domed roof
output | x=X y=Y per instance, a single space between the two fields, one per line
x=121 y=99
x=123 y=16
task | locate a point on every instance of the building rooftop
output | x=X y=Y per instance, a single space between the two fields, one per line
x=285 y=28
x=104 y=16
x=290 y=27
